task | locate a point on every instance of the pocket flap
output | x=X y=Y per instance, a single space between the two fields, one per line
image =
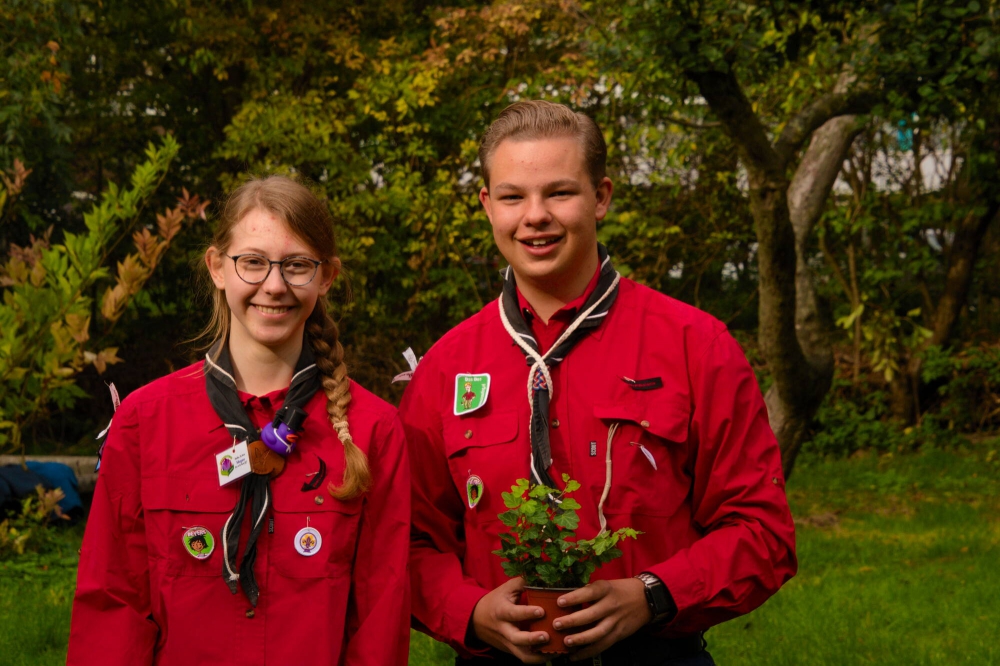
x=495 y=428
x=184 y=494
x=663 y=417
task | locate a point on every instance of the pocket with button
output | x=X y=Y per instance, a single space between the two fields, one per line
x=485 y=445
x=649 y=452
x=174 y=505
x=336 y=521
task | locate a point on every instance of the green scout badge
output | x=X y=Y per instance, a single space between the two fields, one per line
x=470 y=392
x=473 y=490
x=198 y=542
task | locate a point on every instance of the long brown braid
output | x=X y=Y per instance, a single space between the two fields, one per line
x=324 y=338
x=309 y=219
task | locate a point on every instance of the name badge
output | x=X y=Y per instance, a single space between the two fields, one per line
x=233 y=463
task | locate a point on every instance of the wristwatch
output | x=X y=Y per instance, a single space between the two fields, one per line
x=661 y=603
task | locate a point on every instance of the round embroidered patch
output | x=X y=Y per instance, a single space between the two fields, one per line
x=308 y=541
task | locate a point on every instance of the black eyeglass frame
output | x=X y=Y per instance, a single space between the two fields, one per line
x=281 y=271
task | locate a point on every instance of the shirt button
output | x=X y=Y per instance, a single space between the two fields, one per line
x=250 y=614
x=468 y=434
x=644 y=424
x=555 y=423
x=319 y=499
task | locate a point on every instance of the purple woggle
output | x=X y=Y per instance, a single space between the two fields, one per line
x=277 y=440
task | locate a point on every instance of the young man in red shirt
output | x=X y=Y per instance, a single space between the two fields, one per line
x=579 y=368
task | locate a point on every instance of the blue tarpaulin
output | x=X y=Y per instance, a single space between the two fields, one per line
x=16 y=483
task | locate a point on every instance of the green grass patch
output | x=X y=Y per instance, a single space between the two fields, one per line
x=897 y=565
x=36 y=595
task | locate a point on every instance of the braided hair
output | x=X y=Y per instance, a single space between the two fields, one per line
x=308 y=218
x=324 y=338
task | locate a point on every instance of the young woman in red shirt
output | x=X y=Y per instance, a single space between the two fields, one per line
x=252 y=508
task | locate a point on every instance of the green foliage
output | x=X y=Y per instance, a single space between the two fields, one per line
x=380 y=105
x=30 y=530
x=856 y=417
x=541 y=545
x=47 y=304
x=888 y=338
x=33 y=76
x=968 y=383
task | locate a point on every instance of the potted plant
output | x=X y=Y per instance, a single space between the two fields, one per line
x=541 y=547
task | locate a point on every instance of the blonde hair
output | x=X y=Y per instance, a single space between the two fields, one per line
x=309 y=219
x=538 y=119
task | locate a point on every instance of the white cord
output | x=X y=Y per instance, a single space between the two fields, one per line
x=225 y=549
x=539 y=363
x=607 y=479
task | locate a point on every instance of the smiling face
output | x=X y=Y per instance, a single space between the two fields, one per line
x=544 y=209
x=271 y=315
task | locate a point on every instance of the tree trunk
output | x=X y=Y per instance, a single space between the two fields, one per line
x=793 y=332
x=962 y=257
x=807 y=194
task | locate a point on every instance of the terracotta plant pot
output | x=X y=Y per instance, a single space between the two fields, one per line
x=546 y=598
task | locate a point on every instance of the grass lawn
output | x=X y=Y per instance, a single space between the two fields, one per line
x=898 y=565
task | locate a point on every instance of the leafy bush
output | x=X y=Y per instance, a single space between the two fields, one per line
x=969 y=386
x=856 y=417
x=47 y=306
x=30 y=530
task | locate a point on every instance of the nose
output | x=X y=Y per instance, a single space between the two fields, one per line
x=274 y=283
x=536 y=212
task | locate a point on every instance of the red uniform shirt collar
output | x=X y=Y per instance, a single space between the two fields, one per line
x=273 y=400
x=567 y=311
x=547 y=334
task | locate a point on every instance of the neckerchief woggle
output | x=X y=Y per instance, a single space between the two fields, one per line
x=221 y=387
x=540 y=386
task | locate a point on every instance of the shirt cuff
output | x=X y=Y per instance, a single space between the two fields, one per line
x=458 y=620
x=683 y=581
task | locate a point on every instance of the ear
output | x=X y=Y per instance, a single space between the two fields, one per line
x=605 y=188
x=215 y=260
x=484 y=198
x=328 y=273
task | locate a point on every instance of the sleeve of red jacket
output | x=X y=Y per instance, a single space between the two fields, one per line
x=748 y=548
x=443 y=596
x=378 y=631
x=112 y=623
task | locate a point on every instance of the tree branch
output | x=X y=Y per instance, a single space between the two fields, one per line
x=735 y=112
x=814 y=116
x=674 y=120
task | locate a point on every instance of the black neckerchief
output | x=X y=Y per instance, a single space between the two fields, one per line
x=540 y=390
x=221 y=386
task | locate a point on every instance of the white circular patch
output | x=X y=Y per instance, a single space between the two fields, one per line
x=308 y=541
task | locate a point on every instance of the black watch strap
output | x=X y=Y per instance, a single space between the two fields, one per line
x=660 y=601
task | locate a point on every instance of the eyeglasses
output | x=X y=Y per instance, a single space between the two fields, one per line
x=295 y=271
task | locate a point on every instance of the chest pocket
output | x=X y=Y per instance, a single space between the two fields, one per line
x=337 y=523
x=171 y=506
x=485 y=446
x=649 y=453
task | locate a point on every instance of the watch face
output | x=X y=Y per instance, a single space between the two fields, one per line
x=656 y=594
x=659 y=595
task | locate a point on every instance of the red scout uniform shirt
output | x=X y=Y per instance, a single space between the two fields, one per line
x=143 y=599
x=695 y=464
